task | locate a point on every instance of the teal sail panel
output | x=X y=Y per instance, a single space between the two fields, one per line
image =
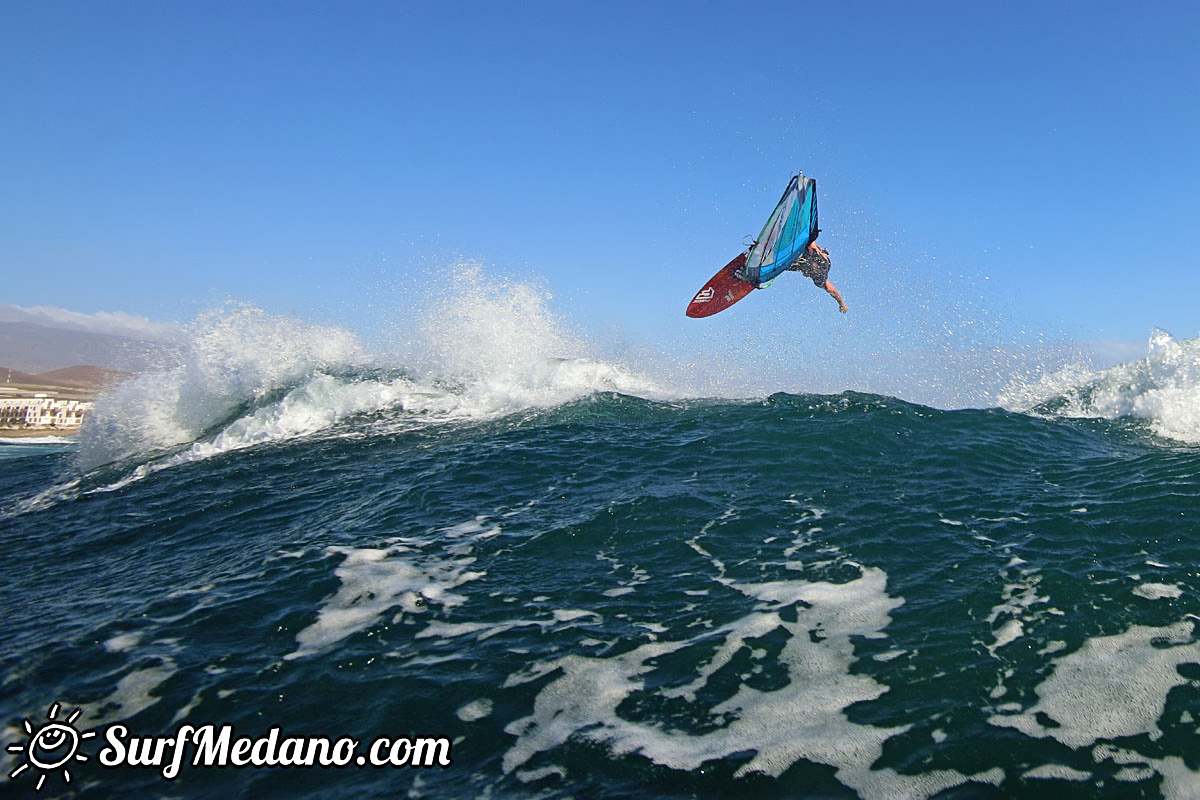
x=789 y=229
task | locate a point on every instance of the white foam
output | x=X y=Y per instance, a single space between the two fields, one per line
x=186 y=711
x=452 y=630
x=475 y=710
x=233 y=356
x=133 y=693
x=1163 y=388
x=31 y=440
x=803 y=720
x=1158 y=591
x=1008 y=633
x=1113 y=686
x=1134 y=774
x=486 y=630
x=1016 y=607
x=375 y=581
x=500 y=340
x=1180 y=782
x=319 y=403
x=1057 y=772
x=122 y=643
x=488 y=348
x=533 y=775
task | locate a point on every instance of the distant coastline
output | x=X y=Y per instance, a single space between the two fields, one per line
x=52 y=404
x=37 y=433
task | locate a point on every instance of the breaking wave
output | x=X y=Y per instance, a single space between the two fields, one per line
x=1161 y=389
x=483 y=348
x=245 y=378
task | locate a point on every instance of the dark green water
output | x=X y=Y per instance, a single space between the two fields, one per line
x=802 y=596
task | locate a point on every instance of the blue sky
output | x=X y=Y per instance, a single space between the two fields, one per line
x=1028 y=165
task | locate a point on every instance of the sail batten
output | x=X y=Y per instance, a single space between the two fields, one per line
x=789 y=229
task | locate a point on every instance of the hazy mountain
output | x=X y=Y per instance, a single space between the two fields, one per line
x=80 y=376
x=33 y=348
x=8 y=375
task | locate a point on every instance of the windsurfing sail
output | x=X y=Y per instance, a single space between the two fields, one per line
x=789 y=229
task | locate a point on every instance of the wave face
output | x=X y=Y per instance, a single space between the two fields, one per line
x=598 y=583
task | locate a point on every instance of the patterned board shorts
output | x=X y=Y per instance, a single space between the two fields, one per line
x=816 y=268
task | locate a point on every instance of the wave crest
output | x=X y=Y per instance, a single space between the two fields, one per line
x=1163 y=389
x=243 y=377
x=230 y=359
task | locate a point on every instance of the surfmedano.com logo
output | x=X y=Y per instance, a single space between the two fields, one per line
x=50 y=748
x=54 y=747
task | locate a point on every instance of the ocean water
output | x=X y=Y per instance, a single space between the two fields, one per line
x=594 y=582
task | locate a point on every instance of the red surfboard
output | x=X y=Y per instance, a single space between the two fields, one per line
x=722 y=290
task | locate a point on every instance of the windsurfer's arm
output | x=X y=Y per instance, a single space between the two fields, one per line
x=829 y=287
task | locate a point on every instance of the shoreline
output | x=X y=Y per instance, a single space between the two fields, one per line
x=37 y=433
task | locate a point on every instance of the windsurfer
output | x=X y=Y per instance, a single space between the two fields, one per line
x=814 y=263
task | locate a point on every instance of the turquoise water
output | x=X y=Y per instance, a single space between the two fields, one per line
x=596 y=589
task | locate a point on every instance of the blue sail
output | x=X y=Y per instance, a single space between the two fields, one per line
x=789 y=229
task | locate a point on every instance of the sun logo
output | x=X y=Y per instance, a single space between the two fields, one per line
x=51 y=747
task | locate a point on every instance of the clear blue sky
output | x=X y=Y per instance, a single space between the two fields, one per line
x=1037 y=159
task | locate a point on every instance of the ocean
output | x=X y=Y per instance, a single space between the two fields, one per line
x=537 y=575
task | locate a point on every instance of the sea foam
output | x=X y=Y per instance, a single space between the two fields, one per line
x=803 y=720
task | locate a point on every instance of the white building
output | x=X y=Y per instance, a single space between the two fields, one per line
x=42 y=411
